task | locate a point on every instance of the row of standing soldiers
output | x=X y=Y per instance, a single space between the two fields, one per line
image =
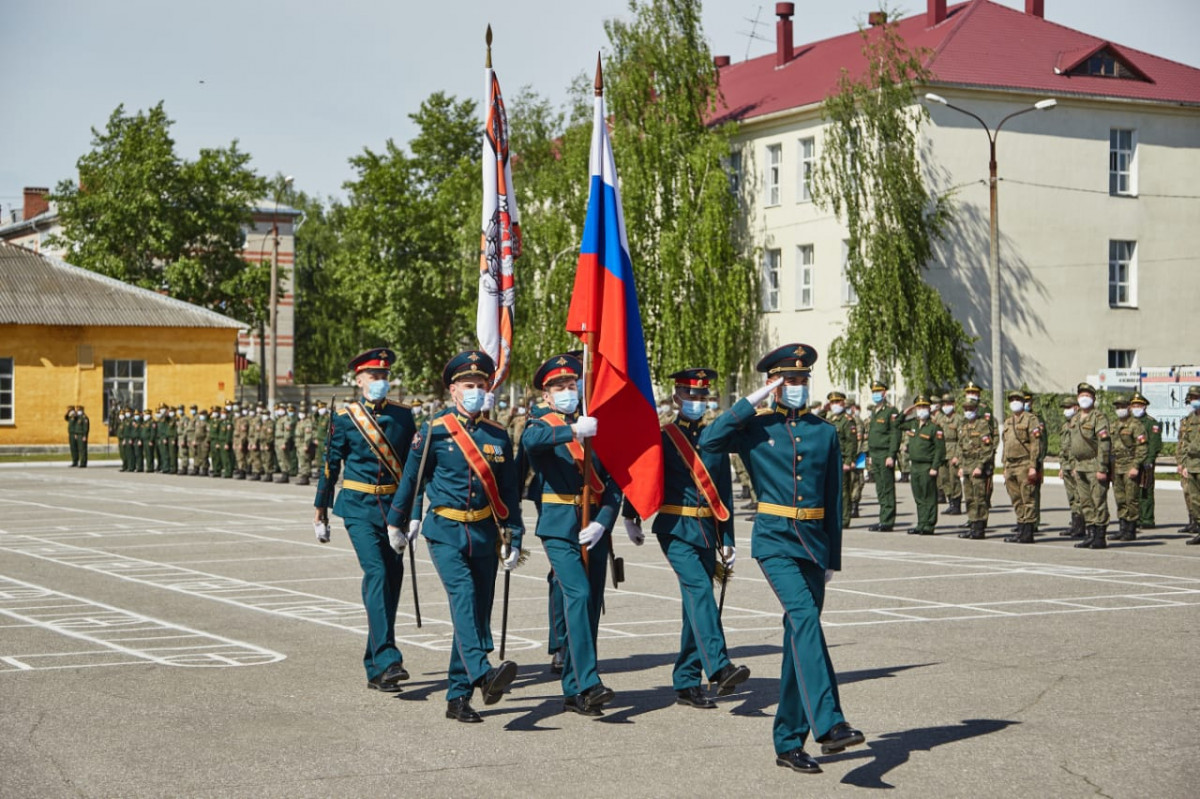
x=250 y=443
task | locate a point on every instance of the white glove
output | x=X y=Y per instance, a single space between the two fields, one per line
x=761 y=394
x=396 y=539
x=828 y=575
x=634 y=530
x=489 y=401
x=729 y=555
x=584 y=427
x=322 y=531
x=514 y=555
x=589 y=535
x=414 y=528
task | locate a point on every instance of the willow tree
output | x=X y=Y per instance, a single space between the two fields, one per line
x=697 y=284
x=869 y=174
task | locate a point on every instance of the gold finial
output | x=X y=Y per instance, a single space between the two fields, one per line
x=599 y=77
x=488 y=39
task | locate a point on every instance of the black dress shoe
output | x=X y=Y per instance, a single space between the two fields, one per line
x=460 y=710
x=496 y=680
x=597 y=696
x=556 y=662
x=694 y=697
x=885 y=528
x=390 y=680
x=798 y=760
x=838 y=738
x=575 y=704
x=729 y=678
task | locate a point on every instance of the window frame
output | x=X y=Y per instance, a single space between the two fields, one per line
x=806 y=165
x=11 y=374
x=1132 y=356
x=849 y=295
x=1115 y=283
x=770 y=279
x=1115 y=173
x=116 y=383
x=772 y=178
x=805 y=261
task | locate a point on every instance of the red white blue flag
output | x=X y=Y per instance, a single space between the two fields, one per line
x=604 y=315
x=500 y=244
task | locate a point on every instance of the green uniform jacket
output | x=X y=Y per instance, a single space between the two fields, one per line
x=1023 y=436
x=926 y=442
x=1188 y=448
x=1091 y=448
x=348 y=454
x=883 y=432
x=847 y=433
x=1153 y=439
x=977 y=444
x=1129 y=445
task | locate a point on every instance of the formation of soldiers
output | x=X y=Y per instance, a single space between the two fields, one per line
x=229 y=441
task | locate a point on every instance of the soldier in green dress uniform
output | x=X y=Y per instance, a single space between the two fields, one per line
x=883 y=451
x=926 y=451
x=1137 y=406
x=846 y=425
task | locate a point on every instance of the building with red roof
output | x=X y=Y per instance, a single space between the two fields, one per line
x=1098 y=198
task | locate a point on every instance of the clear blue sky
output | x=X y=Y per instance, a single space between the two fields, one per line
x=305 y=85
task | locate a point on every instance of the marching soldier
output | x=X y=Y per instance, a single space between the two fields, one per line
x=474 y=500
x=926 y=449
x=1022 y=442
x=578 y=553
x=846 y=425
x=1188 y=455
x=948 y=480
x=693 y=524
x=883 y=448
x=1091 y=451
x=1066 y=468
x=795 y=462
x=369 y=440
x=1129 y=448
x=1137 y=406
x=977 y=458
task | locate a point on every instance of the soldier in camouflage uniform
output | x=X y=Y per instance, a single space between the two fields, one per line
x=1129 y=448
x=1137 y=406
x=186 y=424
x=305 y=446
x=858 y=477
x=266 y=442
x=1187 y=452
x=321 y=435
x=1041 y=460
x=847 y=434
x=1023 y=435
x=254 y=453
x=948 y=481
x=241 y=436
x=977 y=457
x=1091 y=450
x=198 y=442
x=228 y=420
x=1066 y=468
x=285 y=443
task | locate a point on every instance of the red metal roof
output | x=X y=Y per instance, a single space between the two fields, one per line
x=980 y=43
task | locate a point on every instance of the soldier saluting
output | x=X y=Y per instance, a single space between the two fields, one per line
x=795 y=463
x=368 y=442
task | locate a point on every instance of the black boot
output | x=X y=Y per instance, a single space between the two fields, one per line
x=1194 y=540
x=1100 y=540
x=979 y=530
x=941 y=496
x=955 y=508
x=1024 y=534
x=1089 y=533
x=1076 y=530
x=853 y=510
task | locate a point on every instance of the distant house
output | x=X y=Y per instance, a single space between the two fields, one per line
x=73 y=337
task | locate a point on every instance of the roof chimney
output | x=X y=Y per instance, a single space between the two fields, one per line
x=877 y=18
x=35 y=201
x=720 y=61
x=783 y=33
x=936 y=13
x=1036 y=8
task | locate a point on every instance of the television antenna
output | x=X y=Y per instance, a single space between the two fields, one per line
x=752 y=34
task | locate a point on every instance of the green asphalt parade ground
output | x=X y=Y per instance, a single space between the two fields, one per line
x=185 y=636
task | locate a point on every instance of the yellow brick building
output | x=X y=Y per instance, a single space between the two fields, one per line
x=73 y=337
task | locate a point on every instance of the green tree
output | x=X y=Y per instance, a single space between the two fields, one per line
x=697 y=285
x=141 y=214
x=869 y=173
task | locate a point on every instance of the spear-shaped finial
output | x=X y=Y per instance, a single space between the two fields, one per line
x=599 y=77
x=488 y=39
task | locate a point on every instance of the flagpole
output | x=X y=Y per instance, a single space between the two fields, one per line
x=589 y=379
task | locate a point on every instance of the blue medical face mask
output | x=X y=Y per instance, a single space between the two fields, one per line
x=712 y=406
x=566 y=401
x=692 y=409
x=1195 y=404
x=377 y=390
x=794 y=397
x=876 y=397
x=472 y=399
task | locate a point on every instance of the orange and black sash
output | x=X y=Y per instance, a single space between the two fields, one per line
x=477 y=462
x=576 y=450
x=700 y=475
x=373 y=433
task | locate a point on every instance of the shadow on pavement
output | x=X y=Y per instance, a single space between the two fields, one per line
x=891 y=750
x=761 y=692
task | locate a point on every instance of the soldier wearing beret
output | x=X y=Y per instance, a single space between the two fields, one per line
x=470 y=481
x=693 y=524
x=926 y=449
x=1188 y=454
x=883 y=451
x=369 y=440
x=795 y=462
x=552 y=445
x=1129 y=448
x=1091 y=451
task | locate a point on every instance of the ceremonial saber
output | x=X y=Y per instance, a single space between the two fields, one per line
x=504 y=615
x=412 y=557
x=724 y=584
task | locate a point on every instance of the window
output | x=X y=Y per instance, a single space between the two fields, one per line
x=735 y=171
x=124 y=385
x=849 y=295
x=808 y=162
x=6 y=391
x=1122 y=359
x=1120 y=162
x=1122 y=274
x=770 y=280
x=804 y=277
x=774 y=165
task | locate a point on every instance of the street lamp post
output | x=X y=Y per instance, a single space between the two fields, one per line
x=994 y=249
x=273 y=352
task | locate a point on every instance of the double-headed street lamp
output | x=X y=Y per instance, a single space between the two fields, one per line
x=994 y=249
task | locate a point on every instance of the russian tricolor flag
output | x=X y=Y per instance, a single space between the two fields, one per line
x=604 y=315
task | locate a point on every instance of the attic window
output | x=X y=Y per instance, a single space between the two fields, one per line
x=1104 y=64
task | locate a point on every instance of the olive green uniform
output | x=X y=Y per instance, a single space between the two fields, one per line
x=949 y=483
x=1188 y=454
x=200 y=444
x=883 y=442
x=926 y=449
x=1129 y=448
x=1066 y=470
x=1153 y=448
x=285 y=444
x=977 y=454
x=847 y=435
x=1091 y=451
x=1022 y=443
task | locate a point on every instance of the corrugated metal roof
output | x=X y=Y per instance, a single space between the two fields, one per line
x=36 y=289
